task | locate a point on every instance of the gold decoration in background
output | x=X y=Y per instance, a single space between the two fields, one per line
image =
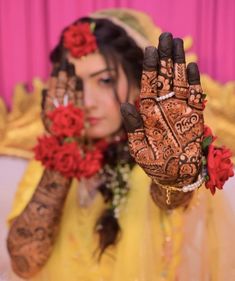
x=20 y=128
x=220 y=110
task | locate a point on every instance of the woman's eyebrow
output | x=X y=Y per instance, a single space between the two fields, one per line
x=101 y=71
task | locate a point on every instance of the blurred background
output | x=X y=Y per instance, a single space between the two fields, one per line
x=29 y=29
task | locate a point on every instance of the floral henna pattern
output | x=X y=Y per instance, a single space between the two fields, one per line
x=169 y=146
x=165 y=77
x=180 y=81
x=33 y=233
x=196 y=97
x=63 y=88
x=149 y=84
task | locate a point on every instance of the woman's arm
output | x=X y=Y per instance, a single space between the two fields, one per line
x=32 y=234
x=165 y=135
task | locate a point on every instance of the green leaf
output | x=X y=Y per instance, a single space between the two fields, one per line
x=92 y=27
x=204 y=161
x=69 y=139
x=206 y=142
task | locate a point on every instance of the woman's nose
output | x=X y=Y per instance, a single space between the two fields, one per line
x=89 y=96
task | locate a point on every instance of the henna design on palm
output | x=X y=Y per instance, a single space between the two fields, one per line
x=63 y=87
x=165 y=136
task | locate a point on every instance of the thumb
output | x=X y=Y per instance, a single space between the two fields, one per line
x=131 y=117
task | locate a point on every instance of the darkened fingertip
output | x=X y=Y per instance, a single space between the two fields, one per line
x=55 y=71
x=79 y=84
x=64 y=65
x=165 y=46
x=193 y=74
x=132 y=118
x=178 y=50
x=71 y=69
x=150 y=58
x=44 y=94
x=165 y=35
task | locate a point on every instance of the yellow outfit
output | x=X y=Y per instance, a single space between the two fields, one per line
x=183 y=245
x=154 y=245
x=144 y=250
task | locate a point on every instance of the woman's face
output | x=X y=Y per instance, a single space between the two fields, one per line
x=101 y=106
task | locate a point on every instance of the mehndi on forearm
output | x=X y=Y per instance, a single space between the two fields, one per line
x=32 y=234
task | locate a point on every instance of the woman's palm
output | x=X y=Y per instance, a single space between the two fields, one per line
x=166 y=142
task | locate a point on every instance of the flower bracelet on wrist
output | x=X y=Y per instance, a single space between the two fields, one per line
x=184 y=189
x=217 y=167
x=65 y=151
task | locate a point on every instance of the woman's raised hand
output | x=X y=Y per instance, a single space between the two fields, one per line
x=165 y=135
x=64 y=87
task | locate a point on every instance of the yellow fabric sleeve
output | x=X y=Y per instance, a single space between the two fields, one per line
x=26 y=188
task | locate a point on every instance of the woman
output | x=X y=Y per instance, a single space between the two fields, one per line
x=107 y=226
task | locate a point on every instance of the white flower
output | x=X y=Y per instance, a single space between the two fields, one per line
x=116 y=212
x=125 y=177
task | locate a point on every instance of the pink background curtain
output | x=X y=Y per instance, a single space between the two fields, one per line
x=30 y=28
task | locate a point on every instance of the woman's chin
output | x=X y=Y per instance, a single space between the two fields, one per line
x=94 y=133
x=98 y=133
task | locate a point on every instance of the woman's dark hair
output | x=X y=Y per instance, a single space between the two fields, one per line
x=117 y=47
x=114 y=44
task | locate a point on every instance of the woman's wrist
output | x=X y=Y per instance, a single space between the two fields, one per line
x=169 y=197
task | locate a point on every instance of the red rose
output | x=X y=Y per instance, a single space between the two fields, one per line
x=219 y=166
x=101 y=145
x=46 y=149
x=91 y=164
x=67 y=121
x=208 y=133
x=67 y=158
x=79 y=40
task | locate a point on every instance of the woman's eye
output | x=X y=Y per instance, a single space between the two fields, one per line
x=106 y=81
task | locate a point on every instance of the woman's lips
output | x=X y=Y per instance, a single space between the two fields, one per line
x=93 y=120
